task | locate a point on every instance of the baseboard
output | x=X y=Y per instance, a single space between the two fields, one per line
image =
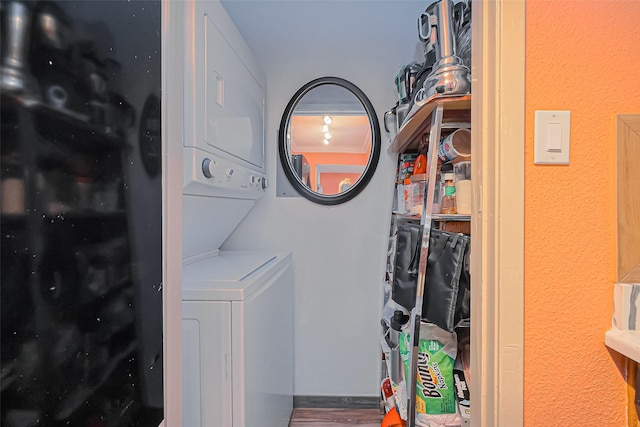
x=351 y=402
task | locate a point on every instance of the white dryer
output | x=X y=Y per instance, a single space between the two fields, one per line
x=237 y=332
x=237 y=307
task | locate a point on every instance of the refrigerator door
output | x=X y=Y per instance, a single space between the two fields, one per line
x=80 y=214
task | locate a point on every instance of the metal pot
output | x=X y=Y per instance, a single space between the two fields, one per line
x=449 y=75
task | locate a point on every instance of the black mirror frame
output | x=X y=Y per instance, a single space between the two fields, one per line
x=285 y=160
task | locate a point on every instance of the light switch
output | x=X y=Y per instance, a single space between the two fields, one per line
x=552 y=134
x=554 y=137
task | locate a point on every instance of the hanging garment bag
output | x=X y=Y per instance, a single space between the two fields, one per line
x=447 y=290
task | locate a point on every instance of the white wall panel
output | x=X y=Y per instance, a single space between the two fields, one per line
x=339 y=251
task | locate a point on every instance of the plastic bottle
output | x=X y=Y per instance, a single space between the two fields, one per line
x=407 y=195
x=448 y=203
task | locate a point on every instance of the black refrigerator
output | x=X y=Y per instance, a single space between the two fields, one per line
x=81 y=214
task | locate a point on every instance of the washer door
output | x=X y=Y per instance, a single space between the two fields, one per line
x=206 y=364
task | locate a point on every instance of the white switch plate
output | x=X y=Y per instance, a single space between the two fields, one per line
x=551 y=140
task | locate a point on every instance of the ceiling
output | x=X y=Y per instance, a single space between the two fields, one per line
x=369 y=33
x=382 y=31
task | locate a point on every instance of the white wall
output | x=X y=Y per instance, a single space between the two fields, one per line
x=339 y=252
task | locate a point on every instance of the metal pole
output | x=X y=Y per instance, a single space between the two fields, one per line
x=425 y=222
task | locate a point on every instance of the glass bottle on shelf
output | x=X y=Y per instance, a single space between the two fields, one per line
x=448 y=203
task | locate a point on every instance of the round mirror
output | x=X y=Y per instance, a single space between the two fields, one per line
x=329 y=140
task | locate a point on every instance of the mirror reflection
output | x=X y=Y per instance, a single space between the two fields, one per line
x=330 y=142
x=333 y=142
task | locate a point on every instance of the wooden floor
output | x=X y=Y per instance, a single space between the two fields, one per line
x=320 y=417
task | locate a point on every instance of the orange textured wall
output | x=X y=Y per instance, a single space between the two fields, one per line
x=333 y=159
x=582 y=56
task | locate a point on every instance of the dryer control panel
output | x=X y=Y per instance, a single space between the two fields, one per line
x=208 y=174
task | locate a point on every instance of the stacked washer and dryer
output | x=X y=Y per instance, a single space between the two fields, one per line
x=237 y=306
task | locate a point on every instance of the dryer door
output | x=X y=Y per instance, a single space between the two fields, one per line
x=224 y=90
x=234 y=105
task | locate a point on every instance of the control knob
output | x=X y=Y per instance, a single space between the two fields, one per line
x=265 y=183
x=209 y=168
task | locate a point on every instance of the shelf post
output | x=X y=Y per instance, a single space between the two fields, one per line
x=425 y=223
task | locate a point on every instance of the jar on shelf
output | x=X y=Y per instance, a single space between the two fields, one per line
x=406 y=198
x=448 y=203
x=462 y=171
x=416 y=198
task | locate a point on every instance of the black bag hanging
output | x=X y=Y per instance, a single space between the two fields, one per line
x=447 y=290
x=407 y=258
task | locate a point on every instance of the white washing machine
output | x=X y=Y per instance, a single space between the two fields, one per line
x=237 y=332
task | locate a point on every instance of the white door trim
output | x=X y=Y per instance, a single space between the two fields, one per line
x=173 y=30
x=498 y=117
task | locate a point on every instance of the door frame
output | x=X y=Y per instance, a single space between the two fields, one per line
x=173 y=42
x=498 y=66
x=498 y=118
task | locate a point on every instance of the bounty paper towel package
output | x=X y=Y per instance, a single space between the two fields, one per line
x=436 y=392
